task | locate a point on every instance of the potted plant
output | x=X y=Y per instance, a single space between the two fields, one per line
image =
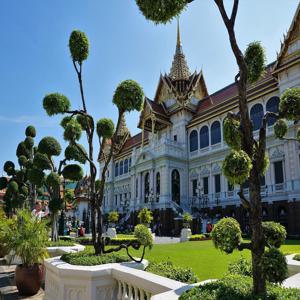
x=186 y=231
x=113 y=219
x=26 y=237
x=145 y=217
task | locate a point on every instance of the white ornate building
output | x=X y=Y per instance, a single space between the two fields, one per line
x=174 y=164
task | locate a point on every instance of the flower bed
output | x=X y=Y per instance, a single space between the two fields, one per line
x=199 y=237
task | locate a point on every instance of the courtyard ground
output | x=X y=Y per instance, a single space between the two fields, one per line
x=206 y=261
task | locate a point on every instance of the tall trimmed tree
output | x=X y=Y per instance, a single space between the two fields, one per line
x=19 y=191
x=45 y=173
x=248 y=157
x=127 y=97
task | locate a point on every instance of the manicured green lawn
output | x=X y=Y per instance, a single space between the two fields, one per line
x=206 y=261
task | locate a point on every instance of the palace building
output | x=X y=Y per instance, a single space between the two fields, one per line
x=174 y=164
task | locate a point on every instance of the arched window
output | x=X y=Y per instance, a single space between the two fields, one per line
x=121 y=168
x=126 y=166
x=147 y=187
x=256 y=115
x=215 y=132
x=272 y=106
x=116 y=169
x=157 y=186
x=193 y=141
x=204 y=137
x=175 y=178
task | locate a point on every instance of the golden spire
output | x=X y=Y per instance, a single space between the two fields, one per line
x=179 y=69
x=178 y=33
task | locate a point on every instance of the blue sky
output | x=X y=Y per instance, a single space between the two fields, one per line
x=35 y=59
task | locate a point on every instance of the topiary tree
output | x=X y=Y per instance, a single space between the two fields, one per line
x=187 y=219
x=45 y=173
x=113 y=217
x=227 y=236
x=127 y=97
x=145 y=216
x=19 y=191
x=238 y=131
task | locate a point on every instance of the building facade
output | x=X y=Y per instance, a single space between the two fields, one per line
x=174 y=164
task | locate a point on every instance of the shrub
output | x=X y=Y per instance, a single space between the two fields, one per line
x=29 y=142
x=84 y=241
x=236 y=287
x=85 y=258
x=255 y=59
x=187 y=218
x=167 y=269
x=237 y=166
x=118 y=241
x=198 y=237
x=297 y=257
x=143 y=235
x=22 y=160
x=145 y=216
x=227 y=234
x=242 y=266
x=275 y=234
x=55 y=205
x=289 y=105
x=161 y=11
x=60 y=243
x=22 y=150
x=274 y=265
x=113 y=217
x=8 y=166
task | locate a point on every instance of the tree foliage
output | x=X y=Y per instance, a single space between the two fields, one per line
x=227 y=235
x=255 y=59
x=280 y=128
x=105 y=128
x=274 y=233
x=76 y=152
x=274 y=265
x=49 y=146
x=232 y=134
x=72 y=131
x=236 y=166
x=56 y=103
x=30 y=131
x=128 y=96
x=72 y=172
x=289 y=105
x=161 y=11
x=79 y=46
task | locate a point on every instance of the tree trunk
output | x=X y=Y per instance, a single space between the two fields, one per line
x=247 y=144
x=54 y=232
x=257 y=237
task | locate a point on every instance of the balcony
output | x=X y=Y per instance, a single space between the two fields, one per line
x=273 y=192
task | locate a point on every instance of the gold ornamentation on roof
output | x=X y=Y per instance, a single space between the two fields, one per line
x=179 y=69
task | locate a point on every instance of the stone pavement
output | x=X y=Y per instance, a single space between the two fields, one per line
x=8 y=290
x=166 y=240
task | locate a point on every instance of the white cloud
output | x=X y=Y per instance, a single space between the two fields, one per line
x=34 y=119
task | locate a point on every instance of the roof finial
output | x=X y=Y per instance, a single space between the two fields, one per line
x=178 y=33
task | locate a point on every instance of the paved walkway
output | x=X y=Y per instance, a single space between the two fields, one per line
x=8 y=290
x=166 y=240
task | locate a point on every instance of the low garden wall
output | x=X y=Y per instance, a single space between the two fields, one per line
x=109 y=282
